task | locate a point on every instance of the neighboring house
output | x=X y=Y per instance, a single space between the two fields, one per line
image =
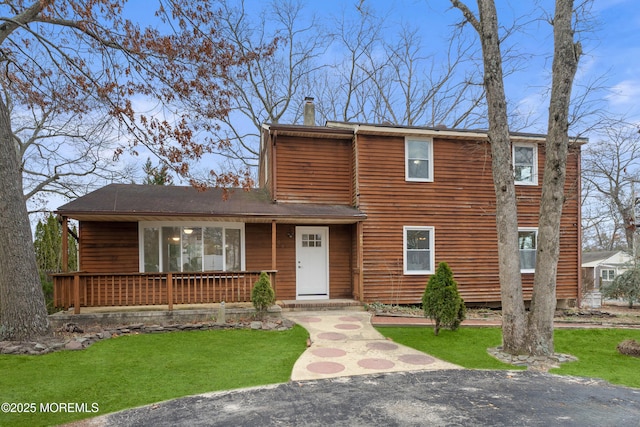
x=344 y=211
x=599 y=269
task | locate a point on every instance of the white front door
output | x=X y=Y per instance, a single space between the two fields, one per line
x=312 y=262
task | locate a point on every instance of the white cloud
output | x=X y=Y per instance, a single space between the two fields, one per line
x=625 y=93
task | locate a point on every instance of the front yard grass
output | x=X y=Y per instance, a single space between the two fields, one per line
x=136 y=370
x=467 y=347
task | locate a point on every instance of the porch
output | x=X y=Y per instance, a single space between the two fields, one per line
x=80 y=289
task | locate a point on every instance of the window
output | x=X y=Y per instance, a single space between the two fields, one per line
x=608 y=275
x=418 y=250
x=525 y=164
x=191 y=247
x=312 y=240
x=527 y=243
x=418 y=159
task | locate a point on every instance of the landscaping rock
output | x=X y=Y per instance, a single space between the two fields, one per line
x=73 y=345
x=71 y=337
x=256 y=325
x=535 y=363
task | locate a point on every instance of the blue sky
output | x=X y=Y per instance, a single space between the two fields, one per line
x=611 y=45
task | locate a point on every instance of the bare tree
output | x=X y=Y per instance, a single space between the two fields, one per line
x=610 y=166
x=273 y=86
x=90 y=51
x=61 y=153
x=532 y=333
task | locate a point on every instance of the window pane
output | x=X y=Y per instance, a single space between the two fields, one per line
x=213 y=248
x=527 y=239
x=232 y=249
x=527 y=259
x=418 y=260
x=171 y=249
x=417 y=239
x=418 y=149
x=523 y=163
x=151 y=238
x=523 y=155
x=419 y=169
x=418 y=159
x=528 y=245
x=192 y=249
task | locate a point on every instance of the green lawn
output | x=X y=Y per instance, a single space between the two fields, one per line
x=595 y=349
x=135 y=370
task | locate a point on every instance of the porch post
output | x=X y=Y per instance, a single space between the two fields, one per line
x=273 y=253
x=170 y=291
x=76 y=293
x=65 y=244
x=359 y=262
x=273 y=244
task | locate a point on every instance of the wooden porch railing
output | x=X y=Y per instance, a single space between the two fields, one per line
x=79 y=289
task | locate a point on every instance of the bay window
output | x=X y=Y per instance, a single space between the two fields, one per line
x=188 y=247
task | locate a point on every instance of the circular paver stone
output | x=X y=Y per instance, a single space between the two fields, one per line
x=381 y=346
x=332 y=336
x=416 y=359
x=325 y=367
x=328 y=352
x=376 y=364
x=348 y=319
x=347 y=326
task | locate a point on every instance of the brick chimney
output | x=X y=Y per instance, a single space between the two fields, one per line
x=309 y=112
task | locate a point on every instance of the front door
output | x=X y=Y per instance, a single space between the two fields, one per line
x=312 y=262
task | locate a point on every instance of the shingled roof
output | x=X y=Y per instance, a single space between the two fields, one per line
x=131 y=202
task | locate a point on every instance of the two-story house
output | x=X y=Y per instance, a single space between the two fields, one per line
x=343 y=211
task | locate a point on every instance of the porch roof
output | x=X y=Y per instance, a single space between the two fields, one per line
x=132 y=202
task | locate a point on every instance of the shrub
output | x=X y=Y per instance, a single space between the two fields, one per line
x=262 y=295
x=625 y=286
x=630 y=348
x=441 y=301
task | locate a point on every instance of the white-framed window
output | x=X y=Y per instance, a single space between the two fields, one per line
x=419 y=253
x=608 y=275
x=525 y=163
x=418 y=154
x=185 y=246
x=528 y=244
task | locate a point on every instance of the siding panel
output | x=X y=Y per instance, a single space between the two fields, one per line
x=109 y=247
x=313 y=170
x=460 y=204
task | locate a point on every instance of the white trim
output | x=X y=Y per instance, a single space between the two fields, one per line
x=432 y=249
x=195 y=224
x=429 y=142
x=528 y=270
x=534 y=172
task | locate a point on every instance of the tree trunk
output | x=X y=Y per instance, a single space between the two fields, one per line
x=513 y=310
x=543 y=302
x=23 y=313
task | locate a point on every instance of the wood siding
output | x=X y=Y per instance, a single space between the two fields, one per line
x=460 y=205
x=312 y=170
x=109 y=247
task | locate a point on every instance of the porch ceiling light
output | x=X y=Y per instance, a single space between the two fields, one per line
x=176 y=238
x=188 y=230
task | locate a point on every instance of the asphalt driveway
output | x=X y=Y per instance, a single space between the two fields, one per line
x=419 y=398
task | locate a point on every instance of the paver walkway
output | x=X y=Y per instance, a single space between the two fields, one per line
x=344 y=343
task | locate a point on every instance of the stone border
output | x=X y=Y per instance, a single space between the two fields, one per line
x=534 y=363
x=71 y=337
